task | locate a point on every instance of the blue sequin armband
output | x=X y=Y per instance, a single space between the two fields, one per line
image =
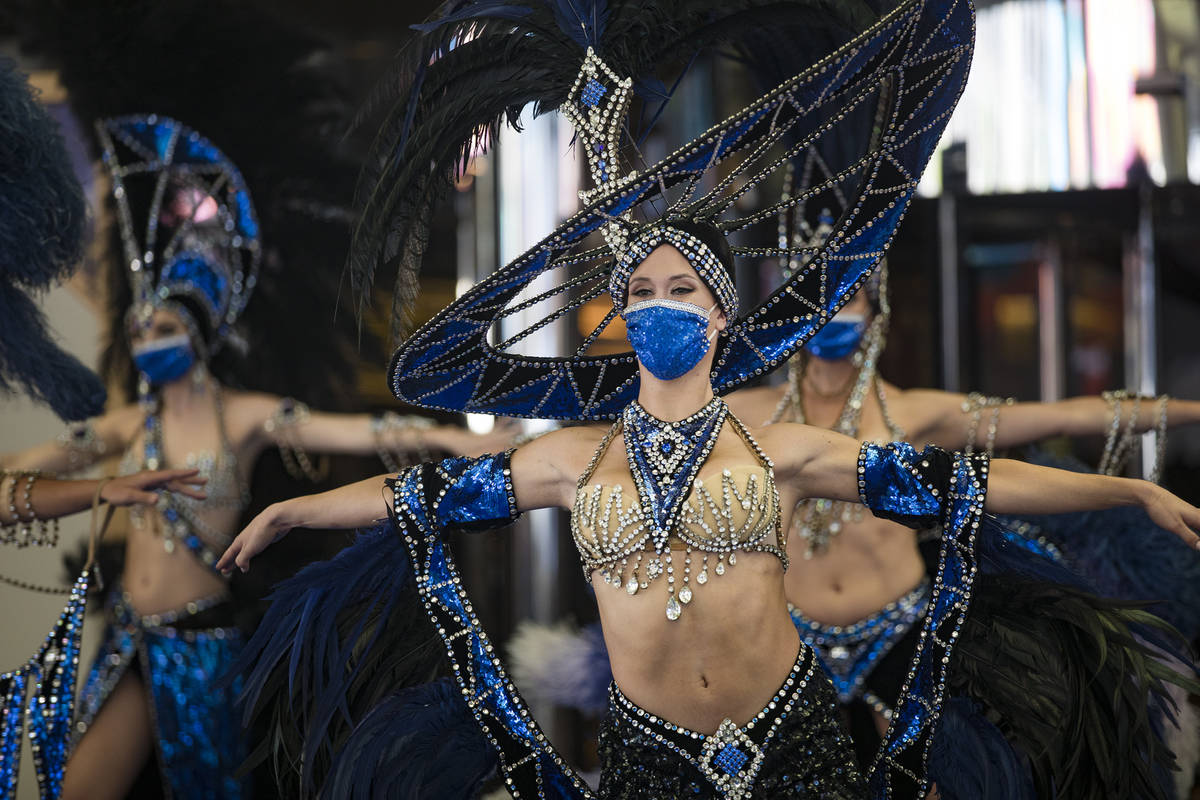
x=898 y=483
x=473 y=494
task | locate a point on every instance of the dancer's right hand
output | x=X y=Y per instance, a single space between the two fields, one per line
x=139 y=487
x=271 y=525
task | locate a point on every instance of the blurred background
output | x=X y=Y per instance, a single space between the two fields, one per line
x=1054 y=250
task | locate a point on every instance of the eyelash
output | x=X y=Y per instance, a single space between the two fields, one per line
x=644 y=292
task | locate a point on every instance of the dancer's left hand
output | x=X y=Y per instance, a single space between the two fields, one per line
x=1173 y=514
x=271 y=525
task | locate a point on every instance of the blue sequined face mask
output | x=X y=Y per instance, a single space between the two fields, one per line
x=668 y=336
x=164 y=360
x=838 y=338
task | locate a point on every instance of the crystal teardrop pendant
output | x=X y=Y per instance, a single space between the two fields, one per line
x=673 y=608
x=685 y=595
x=631 y=586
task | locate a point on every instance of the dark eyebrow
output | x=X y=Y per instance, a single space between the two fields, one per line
x=683 y=275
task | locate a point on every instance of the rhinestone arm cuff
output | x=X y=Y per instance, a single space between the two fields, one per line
x=474 y=494
x=898 y=483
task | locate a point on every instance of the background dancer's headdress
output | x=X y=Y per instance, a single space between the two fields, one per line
x=189 y=232
x=42 y=216
x=867 y=113
x=231 y=84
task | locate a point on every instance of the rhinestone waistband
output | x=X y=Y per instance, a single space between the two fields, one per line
x=732 y=757
x=849 y=652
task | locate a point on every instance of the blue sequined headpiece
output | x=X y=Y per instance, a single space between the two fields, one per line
x=710 y=269
x=186 y=219
x=866 y=118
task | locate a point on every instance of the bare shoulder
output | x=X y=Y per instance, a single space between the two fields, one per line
x=122 y=423
x=567 y=447
x=920 y=411
x=755 y=406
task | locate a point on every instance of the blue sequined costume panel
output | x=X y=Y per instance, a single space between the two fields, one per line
x=197 y=730
x=849 y=653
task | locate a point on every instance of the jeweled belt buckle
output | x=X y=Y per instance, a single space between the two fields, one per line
x=731 y=761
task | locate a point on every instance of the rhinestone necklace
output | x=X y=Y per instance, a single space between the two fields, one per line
x=665 y=458
x=818 y=521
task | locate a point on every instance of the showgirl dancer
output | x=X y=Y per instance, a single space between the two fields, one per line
x=194 y=249
x=679 y=509
x=41 y=240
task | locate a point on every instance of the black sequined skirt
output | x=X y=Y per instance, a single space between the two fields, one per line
x=795 y=747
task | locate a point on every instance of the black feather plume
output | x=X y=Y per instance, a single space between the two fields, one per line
x=42 y=216
x=476 y=65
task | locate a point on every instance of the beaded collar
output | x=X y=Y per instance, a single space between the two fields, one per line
x=665 y=457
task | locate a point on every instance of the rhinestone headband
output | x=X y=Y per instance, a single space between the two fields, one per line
x=699 y=255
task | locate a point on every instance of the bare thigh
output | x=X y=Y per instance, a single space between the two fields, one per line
x=110 y=755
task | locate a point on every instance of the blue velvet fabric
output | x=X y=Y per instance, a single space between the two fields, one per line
x=164 y=361
x=836 y=340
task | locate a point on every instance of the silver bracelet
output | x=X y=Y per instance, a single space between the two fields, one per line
x=28 y=529
x=280 y=426
x=391 y=423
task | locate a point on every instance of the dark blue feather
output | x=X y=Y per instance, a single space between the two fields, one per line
x=42 y=210
x=31 y=361
x=322 y=633
x=582 y=20
x=477 y=10
x=420 y=742
x=971 y=760
x=1123 y=554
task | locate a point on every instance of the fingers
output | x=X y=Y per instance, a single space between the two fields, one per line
x=163 y=476
x=188 y=489
x=226 y=561
x=1190 y=523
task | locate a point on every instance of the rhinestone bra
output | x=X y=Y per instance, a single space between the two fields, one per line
x=733 y=511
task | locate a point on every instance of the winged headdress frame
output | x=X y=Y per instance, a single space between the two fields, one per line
x=197 y=237
x=907 y=71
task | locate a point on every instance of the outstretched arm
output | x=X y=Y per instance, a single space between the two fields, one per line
x=819 y=463
x=355 y=505
x=80 y=445
x=49 y=498
x=288 y=423
x=539 y=473
x=1015 y=487
x=949 y=426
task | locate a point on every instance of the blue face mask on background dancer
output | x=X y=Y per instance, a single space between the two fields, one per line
x=668 y=336
x=164 y=360
x=838 y=338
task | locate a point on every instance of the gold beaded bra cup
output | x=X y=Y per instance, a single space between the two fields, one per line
x=718 y=516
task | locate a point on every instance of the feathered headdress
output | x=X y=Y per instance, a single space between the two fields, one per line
x=42 y=216
x=477 y=64
x=188 y=227
x=871 y=111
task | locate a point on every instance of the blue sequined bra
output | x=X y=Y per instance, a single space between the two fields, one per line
x=736 y=510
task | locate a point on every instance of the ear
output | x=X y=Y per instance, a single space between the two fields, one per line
x=720 y=320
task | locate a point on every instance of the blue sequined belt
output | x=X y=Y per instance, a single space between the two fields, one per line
x=849 y=652
x=732 y=757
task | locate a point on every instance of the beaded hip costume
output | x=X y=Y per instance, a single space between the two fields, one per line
x=179 y=657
